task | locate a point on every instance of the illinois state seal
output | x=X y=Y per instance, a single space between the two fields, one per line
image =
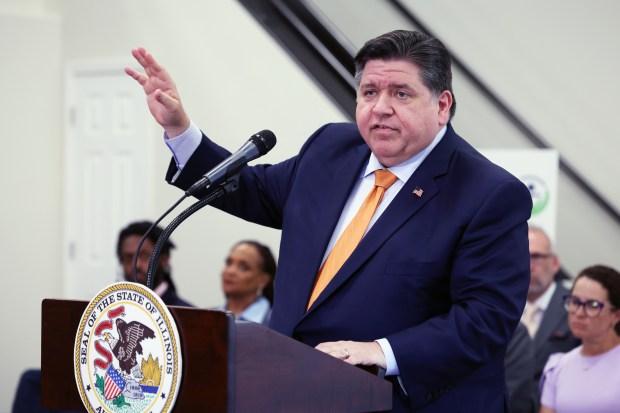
x=127 y=355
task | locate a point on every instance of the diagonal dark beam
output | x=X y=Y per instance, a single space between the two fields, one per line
x=503 y=108
x=323 y=56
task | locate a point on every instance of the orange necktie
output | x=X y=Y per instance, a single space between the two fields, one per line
x=353 y=233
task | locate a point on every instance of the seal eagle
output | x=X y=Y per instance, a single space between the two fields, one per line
x=130 y=336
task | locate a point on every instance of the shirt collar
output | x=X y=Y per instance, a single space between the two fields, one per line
x=256 y=311
x=543 y=301
x=161 y=289
x=405 y=169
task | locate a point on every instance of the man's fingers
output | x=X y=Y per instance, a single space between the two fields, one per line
x=338 y=349
x=150 y=60
x=167 y=101
x=147 y=61
x=138 y=76
x=151 y=66
x=355 y=352
x=138 y=54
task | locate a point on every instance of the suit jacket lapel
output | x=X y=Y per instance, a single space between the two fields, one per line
x=402 y=208
x=331 y=205
x=552 y=318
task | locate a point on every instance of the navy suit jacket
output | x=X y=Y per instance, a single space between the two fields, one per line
x=443 y=276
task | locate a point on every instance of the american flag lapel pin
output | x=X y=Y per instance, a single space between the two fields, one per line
x=418 y=192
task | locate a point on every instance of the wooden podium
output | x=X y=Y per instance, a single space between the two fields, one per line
x=228 y=366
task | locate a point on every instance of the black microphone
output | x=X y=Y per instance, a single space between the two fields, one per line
x=259 y=144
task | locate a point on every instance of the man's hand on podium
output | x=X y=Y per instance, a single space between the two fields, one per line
x=355 y=352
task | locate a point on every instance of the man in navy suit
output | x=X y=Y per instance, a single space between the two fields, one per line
x=436 y=287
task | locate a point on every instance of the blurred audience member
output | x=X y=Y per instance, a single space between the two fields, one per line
x=128 y=240
x=247 y=282
x=28 y=395
x=587 y=379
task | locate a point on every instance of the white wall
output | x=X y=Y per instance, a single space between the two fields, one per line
x=30 y=174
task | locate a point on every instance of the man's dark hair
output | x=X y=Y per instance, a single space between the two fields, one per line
x=140 y=228
x=424 y=51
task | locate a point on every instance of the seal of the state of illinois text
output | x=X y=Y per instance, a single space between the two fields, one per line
x=127 y=353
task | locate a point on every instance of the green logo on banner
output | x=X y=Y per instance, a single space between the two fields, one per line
x=539 y=192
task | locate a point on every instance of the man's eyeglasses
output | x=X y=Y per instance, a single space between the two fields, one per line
x=538 y=258
x=592 y=308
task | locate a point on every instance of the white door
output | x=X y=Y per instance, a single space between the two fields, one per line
x=107 y=167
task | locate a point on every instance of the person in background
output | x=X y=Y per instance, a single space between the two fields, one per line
x=587 y=378
x=247 y=282
x=128 y=240
x=519 y=364
x=28 y=395
x=402 y=247
x=543 y=315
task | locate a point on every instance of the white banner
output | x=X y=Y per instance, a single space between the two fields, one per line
x=538 y=170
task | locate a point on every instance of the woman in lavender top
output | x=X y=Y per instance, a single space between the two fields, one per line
x=587 y=379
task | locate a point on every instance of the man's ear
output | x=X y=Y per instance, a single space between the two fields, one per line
x=444 y=102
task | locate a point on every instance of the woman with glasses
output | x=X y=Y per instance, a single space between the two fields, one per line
x=587 y=379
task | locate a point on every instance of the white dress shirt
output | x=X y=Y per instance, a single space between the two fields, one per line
x=541 y=304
